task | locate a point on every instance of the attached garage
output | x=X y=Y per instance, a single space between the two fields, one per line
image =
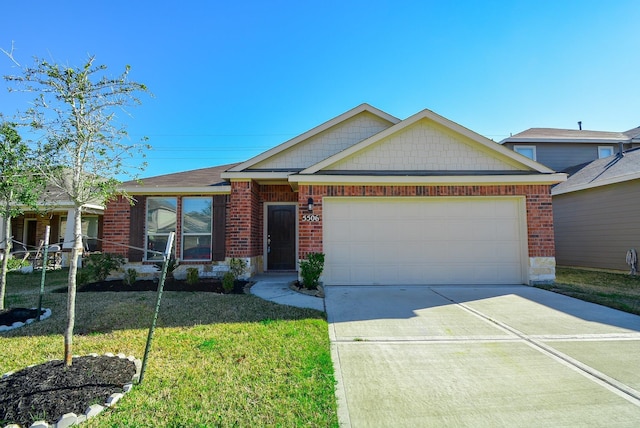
x=424 y=240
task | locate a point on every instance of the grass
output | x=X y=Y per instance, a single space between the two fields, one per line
x=216 y=360
x=616 y=290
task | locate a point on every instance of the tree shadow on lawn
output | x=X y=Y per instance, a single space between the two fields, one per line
x=105 y=312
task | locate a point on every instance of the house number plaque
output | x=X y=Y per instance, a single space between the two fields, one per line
x=310 y=217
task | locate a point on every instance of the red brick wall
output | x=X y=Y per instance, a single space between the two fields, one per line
x=116 y=226
x=538 y=204
x=243 y=221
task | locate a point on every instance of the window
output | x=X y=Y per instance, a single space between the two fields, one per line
x=528 y=151
x=161 y=220
x=605 y=151
x=197 y=222
x=89 y=231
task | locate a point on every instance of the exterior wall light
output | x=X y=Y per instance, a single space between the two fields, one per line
x=310 y=202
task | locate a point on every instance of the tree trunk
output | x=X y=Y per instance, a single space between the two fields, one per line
x=76 y=253
x=5 y=260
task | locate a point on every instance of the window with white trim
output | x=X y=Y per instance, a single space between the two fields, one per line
x=605 y=151
x=528 y=151
x=197 y=227
x=161 y=220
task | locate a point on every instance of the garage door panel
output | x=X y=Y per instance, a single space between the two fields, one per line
x=423 y=240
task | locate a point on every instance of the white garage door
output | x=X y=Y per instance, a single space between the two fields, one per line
x=459 y=240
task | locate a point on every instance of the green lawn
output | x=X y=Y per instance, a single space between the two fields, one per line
x=616 y=290
x=216 y=360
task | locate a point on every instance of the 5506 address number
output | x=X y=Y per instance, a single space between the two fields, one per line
x=310 y=217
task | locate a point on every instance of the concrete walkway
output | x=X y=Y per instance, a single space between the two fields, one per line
x=485 y=356
x=275 y=287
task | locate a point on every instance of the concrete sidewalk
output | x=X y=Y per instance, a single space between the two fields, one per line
x=275 y=287
x=421 y=356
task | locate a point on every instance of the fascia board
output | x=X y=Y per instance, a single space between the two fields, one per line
x=428 y=114
x=205 y=190
x=565 y=140
x=316 y=179
x=256 y=175
x=317 y=130
x=51 y=206
x=599 y=183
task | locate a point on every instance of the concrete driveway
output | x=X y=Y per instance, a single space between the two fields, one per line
x=436 y=356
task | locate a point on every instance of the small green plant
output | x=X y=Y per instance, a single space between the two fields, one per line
x=16 y=263
x=102 y=264
x=193 y=275
x=130 y=276
x=228 y=281
x=237 y=267
x=84 y=276
x=311 y=270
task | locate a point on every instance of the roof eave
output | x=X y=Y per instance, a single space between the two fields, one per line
x=598 y=183
x=182 y=190
x=315 y=179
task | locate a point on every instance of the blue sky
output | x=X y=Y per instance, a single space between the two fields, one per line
x=234 y=78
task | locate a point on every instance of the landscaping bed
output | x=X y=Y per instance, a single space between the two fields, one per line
x=202 y=285
x=50 y=390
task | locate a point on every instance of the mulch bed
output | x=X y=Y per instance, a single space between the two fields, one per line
x=203 y=285
x=9 y=316
x=48 y=391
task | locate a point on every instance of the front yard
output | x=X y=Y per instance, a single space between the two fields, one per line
x=216 y=360
x=616 y=290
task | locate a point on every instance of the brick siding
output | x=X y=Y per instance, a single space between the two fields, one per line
x=538 y=205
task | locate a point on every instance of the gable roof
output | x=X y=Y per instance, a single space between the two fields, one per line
x=514 y=160
x=362 y=108
x=602 y=172
x=554 y=135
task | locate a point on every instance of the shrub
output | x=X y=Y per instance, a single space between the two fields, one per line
x=130 y=276
x=311 y=270
x=16 y=263
x=193 y=275
x=84 y=276
x=102 y=264
x=237 y=267
x=228 y=281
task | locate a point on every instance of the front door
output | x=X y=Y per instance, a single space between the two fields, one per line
x=281 y=237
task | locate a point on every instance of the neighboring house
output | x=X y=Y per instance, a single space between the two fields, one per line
x=596 y=213
x=28 y=230
x=561 y=149
x=389 y=201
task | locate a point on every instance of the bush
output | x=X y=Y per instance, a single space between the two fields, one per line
x=130 y=276
x=237 y=267
x=16 y=263
x=228 y=281
x=102 y=264
x=84 y=276
x=193 y=275
x=311 y=270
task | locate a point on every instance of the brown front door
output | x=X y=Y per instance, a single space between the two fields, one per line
x=281 y=237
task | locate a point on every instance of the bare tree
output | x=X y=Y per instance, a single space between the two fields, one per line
x=20 y=187
x=76 y=113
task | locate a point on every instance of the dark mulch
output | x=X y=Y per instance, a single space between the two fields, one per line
x=9 y=316
x=203 y=285
x=48 y=391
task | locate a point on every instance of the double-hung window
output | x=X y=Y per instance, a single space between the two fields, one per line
x=161 y=220
x=197 y=228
